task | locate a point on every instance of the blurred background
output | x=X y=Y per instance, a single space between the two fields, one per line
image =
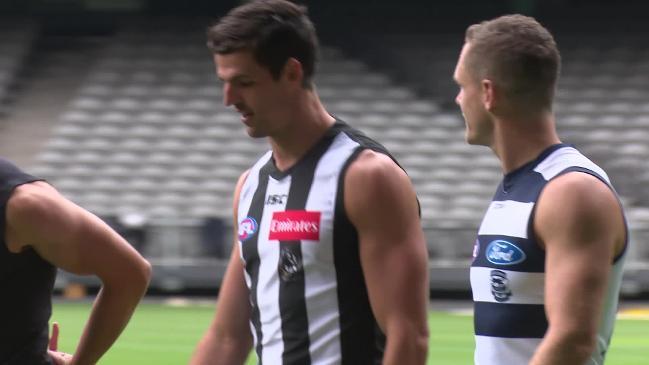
x=116 y=103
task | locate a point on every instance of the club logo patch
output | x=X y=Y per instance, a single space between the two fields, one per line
x=294 y=225
x=247 y=228
x=501 y=252
x=500 y=286
x=290 y=265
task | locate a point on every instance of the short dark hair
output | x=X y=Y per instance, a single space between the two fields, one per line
x=273 y=30
x=518 y=54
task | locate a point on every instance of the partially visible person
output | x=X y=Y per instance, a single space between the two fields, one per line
x=42 y=231
x=548 y=260
x=329 y=264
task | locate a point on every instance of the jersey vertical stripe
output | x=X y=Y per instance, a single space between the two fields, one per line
x=508 y=270
x=268 y=293
x=292 y=300
x=322 y=284
x=252 y=202
x=361 y=340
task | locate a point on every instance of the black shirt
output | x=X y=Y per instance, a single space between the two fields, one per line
x=26 y=283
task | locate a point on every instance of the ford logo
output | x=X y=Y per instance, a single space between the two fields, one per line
x=501 y=252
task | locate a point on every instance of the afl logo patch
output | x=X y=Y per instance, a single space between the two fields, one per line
x=247 y=228
x=476 y=248
x=501 y=252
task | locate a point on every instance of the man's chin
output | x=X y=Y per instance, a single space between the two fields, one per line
x=473 y=140
x=254 y=133
x=469 y=138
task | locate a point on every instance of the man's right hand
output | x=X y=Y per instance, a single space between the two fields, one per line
x=59 y=358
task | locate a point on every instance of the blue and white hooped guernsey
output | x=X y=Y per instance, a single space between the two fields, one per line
x=508 y=269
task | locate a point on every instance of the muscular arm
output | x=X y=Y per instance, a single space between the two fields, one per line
x=77 y=241
x=580 y=223
x=381 y=203
x=228 y=339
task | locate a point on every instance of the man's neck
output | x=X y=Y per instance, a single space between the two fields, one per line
x=309 y=125
x=517 y=142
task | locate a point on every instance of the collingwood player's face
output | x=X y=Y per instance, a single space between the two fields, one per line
x=252 y=91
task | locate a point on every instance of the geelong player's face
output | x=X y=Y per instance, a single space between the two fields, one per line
x=479 y=128
x=252 y=91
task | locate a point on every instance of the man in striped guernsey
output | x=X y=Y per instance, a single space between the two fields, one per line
x=548 y=259
x=330 y=263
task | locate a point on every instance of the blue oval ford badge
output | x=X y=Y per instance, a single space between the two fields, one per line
x=501 y=252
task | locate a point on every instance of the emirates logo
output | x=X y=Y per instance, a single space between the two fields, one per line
x=294 y=225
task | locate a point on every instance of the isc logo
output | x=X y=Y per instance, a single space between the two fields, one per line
x=275 y=199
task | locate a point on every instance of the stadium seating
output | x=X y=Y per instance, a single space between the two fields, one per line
x=147 y=134
x=15 y=40
x=152 y=103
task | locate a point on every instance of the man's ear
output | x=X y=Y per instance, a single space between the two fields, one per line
x=489 y=94
x=293 y=71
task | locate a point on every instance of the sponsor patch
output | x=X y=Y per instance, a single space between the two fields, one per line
x=294 y=225
x=247 y=228
x=501 y=252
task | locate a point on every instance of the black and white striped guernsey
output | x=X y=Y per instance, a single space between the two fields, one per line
x=307 y=291
x=508 y=269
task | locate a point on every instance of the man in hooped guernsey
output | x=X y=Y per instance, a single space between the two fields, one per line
x=329 y=264
x=548 y=259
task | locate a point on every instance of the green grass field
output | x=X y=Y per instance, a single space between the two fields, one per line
x=166 y=335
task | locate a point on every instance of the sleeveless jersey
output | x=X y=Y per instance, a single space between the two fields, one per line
x=508 y=269
x=301 y=255
x=26 y=281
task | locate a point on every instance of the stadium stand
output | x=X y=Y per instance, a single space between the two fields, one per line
x=146 y=143
x=16 y=36
x=147 y=128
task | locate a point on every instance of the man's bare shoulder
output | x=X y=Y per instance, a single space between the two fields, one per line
x=31 y=198
x=579 y=207
x=586 y=189
x=375 y=183
x=371 y=164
